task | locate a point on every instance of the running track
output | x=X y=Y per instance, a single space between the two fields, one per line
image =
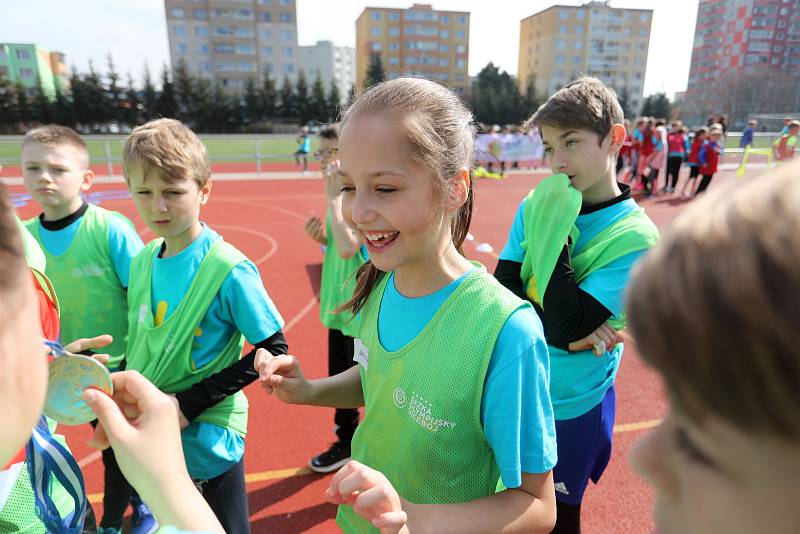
x=265 y=220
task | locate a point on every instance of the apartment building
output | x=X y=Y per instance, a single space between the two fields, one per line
x=35 y=67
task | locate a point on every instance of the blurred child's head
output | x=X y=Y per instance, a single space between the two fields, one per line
x=406 y=150
x=167 y=170
x=23 y=379
x=726 y=279
x=715 y=132
x=582 y=130
x=794 y=127
x=700 y=134
x=55 y=169
x=328 y=145
x=676 y=126
x=752 y=123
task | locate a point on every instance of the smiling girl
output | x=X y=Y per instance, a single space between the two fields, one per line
x=453 y=367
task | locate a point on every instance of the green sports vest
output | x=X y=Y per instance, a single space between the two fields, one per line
x=93 y=300
x=338 y=283
x=422 y=426
x=549 y=219
x=34 y=255
x=163 y=354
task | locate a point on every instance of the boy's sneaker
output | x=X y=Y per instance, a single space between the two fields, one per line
x=332 y=459
x=142 y=520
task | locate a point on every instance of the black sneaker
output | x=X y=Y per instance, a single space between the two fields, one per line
x=332 y=459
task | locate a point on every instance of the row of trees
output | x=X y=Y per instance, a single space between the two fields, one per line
x=95 y=101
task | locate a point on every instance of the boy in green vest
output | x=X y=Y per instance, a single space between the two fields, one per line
x=570 y=251
x=193 y=301
x=88 y=251
x=344 y=254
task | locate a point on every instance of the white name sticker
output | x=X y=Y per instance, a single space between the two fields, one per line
x=360 y=353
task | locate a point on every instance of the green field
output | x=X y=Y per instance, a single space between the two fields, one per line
x=272 y=149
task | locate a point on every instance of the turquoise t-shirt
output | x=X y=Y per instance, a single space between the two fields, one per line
x=579 y=380
x=123 y=241
x=242 y=305
x=516 y=412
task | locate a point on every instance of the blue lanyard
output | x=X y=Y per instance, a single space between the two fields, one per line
x=46 y=458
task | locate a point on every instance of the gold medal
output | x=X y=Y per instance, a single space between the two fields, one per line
x=67 y=377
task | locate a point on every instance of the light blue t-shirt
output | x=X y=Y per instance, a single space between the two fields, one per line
x=241 y=305
x=123 y=243
x=516 y=412
x=579 y=380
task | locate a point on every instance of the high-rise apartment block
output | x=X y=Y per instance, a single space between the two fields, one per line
x=562 y=43
x=34 y=67
x=418 y=41
x=231 y=41
x=745 y=59
x=333 y=63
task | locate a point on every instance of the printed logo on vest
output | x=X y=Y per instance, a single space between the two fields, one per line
x=89 y=270
x=420 y=411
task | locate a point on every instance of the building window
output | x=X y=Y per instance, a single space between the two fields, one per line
x=268 y=68
x=245 y=49
x=394 y=47
x=444 y=34
x=394 y=61
x=444 y=48
x=443 y=62
x=393 y=16
x=643 y=32
x=578 y=30
x=201 y=31
x=460 y=35
x=445 y=19
x=563 y=28
x=286 y=17
x=375 y=31
x=461 y=49
x=287 y=51
x=394 y=32
x=462 y=19
x=560 y=60
x=580 y=14
x=244 y=32
x=288 y=67
x=288 y=35
x=644 y=17
x=177 y=13
x=577 y=59
x=26 y=73
x=577 y=45
x=202 y=49
x=285 y=2
x=247 y=66
x=205 y=67
x=563 y=14
x=266 y=51
x=23 y=54
x=460 y=62
x=266 y=34
x=265 y=16
x=264 y=2
x=200 y=14
x=376 y=15
x=178 y=31
x=376 y=47
x=223 y=48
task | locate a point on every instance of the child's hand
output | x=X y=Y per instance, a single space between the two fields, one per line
x=82 y=344
x=330 y=173
x=181 y=418
x=599 y=341
x=316 y=230
x=370 y=494
x=141 y=424
x=283 y=376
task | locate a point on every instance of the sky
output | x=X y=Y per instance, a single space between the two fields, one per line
x=134 y=32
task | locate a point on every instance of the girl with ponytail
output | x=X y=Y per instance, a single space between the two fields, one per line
x=458 y=433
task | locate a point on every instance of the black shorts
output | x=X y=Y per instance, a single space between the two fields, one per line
x=694 y=172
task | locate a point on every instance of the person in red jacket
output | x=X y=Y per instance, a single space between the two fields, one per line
x=692 y=161
x=676 y=153
x=709 y=157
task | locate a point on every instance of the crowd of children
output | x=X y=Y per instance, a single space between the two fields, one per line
x=499 y=419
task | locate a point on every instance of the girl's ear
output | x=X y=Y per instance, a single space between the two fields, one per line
x=459 y=192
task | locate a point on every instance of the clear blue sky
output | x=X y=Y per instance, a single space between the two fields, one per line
x=135 y=31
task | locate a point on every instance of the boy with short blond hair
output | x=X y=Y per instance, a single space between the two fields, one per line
x=88 y=252
x=569 y=252
x=193 y=301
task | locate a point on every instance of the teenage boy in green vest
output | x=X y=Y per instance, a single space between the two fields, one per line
x=88 y=251
x=193 y=301
x=570 y=251
x=344 y=254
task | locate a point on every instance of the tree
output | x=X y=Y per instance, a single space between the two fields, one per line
x=495 y=97
x=149 y=96
x=351 y=96
x=42 y=108
x=8 y=109
x=268 y=97
x=23 y=104
x=375 y=72
x=318 y=102
x=252 y=105
x=334 y=101
x=133 y=109
x=286 y=104
x=661 y=106
x=62 y=109
x=531 y=101
x=114 y=109
x=183 y=85
x=96 y=105
x=625 y=103
x=166 y=106
x=302 y=108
